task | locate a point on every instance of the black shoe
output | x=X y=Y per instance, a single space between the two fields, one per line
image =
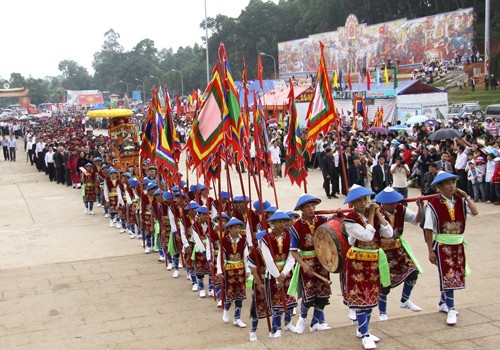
x=329 y=197
x=335 y=196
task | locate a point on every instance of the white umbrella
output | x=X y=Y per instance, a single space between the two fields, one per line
x=417 y=119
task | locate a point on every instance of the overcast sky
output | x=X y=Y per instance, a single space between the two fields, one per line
x=37 y=35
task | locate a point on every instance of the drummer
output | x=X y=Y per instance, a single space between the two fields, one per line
x=365 y=226
x=313 y=291
x=444 y=227
x=402 y=263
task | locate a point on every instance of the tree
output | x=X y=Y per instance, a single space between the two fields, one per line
x=76 y=77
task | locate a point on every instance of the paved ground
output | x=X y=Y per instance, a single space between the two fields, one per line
x=68 y=281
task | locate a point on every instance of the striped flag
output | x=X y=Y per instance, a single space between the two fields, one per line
x=234 y=127
x=149 y=136
x=321 y=113
x=294 y=161
x=206 y=136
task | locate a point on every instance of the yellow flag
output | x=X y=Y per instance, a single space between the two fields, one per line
x=335 y=79
x=386 y=76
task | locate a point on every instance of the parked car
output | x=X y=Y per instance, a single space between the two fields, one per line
x=493 y=112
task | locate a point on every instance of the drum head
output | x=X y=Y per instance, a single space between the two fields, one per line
x=327 y=250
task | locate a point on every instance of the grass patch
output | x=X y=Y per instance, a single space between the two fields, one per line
x=484 y=98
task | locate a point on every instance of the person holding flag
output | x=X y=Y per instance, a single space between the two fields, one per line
x=233 y=268
x=314 y=292
x=275 y=247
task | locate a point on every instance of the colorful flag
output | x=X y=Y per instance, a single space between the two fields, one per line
x=386 y=76
x=368 y=80
x=321 y=113
x=294 y=161
x=396 y=76
x=335 y=80
x=349 y=80
x=260 y=70
x=149 y=135
x=165 y=151
x=206 y=136
x=340 y=79
x=234 y=127
x=377 y=76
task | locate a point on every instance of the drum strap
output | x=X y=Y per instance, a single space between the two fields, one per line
x=406 y=246
x=383 y=265
x=452 y=239
x=294 y=282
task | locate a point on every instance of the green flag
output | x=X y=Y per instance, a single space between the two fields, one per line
x=395 y=77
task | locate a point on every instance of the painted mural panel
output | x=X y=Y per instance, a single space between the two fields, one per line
x=357 y=46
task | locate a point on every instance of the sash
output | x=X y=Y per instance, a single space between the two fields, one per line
x=83 y=190
x=196 y=250
x=383 y=265
x=294 y=282
x=453 y=239
x=406 y=246
x=234 y=264
x=157 y=231
x=171 y=247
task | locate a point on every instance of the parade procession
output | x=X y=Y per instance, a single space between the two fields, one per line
x=317 y=213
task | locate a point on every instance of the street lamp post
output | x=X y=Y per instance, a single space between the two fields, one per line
x=143 y=91
x=126 y=84
x=274 y=62
x=152 y=76
x=182 y=80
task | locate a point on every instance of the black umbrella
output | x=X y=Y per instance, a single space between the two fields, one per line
x=445 y=134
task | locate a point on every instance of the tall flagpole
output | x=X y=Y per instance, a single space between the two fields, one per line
x=486 y=37
x=206 y=43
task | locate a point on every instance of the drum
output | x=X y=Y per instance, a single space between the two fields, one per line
x=330 y=245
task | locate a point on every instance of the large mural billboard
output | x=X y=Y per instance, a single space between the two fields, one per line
x=357 y=46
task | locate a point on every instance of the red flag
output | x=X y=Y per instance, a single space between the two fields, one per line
x=294 y=163
x=368 y=81
x=321 y=111
x=260 y=70
x=180 y=110
x=349 y=81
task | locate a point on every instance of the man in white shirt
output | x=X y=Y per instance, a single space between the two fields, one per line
x=49 y=163
x=400 y=172
x=461 y=164
x=275 y=158
x=489 y=187
x=29 y=149
x=12 y=148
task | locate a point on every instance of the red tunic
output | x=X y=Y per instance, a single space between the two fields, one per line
x=274 y=295
x=400 y=264
x=123 y=208
x=450 y=258
x=113 y=194
x=310 y=287
x=259 y=301
x=234 y=268
x=147 y=223
x=91 y=187
x=200 y=265
x=132 y=208
x=362 y=279
x=213 y=236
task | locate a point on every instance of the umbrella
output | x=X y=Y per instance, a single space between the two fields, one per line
x=272 y=121
x=491 y=150
x=378 y=129
x=417 y=119
x=400 y=127
x=445 y=134
x=43 y=120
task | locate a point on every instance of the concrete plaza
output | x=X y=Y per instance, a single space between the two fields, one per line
x=69 y=281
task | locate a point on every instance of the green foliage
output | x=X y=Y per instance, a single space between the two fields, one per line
x=484 y=98
x=258 y=28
